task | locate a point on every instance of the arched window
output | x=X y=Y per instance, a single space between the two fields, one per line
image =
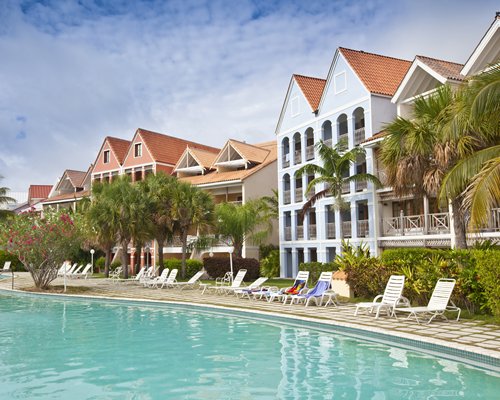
x=342 y=131
x=359 y=125
x=297 y=147
x=286 y=189
x=326 y=130
x=285 y=148
x=309 y=137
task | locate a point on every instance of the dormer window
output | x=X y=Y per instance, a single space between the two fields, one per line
x=138 y=150
x=106 y=157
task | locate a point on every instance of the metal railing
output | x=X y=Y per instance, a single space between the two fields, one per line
x=286 y=197
x=288 y=233
x=346 y=229
x=297 y=157
x=360 y=185
x=309 y=153
x=286 y=161
x=363 y=228
x=298 y=195
x=300 y=232
x=343 y=142
x=312 y=231
x=359 y=135
x=330 y=230
x=346 y=187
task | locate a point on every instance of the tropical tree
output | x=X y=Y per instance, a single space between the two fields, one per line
x=4 y=199
x=192 y=209
x=334 y=172
x=417 y=155
x=160 y=189
x=238 y=223
x=272 y=204
x=475 y=129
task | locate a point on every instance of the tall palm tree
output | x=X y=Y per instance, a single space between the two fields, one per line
x=160 y=189
x=475 y=128
x=334 y=172
x=192 y=209
x=4 y=199
x=272 y=203
x=417 y=155
x=240 y=223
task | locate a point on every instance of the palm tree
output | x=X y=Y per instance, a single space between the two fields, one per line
x=160 y=189
x=192 y=208
x=417 y=155
x=334 y=172
x=239 y=223
x=475 y=128
x=272 y=204
x=4 y=199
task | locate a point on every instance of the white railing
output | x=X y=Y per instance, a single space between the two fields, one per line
x=328 y=142
x=286 y=161
x=288 y=233
x=363 y=228
x=309 y=153
x=297 y=157
x=298 y=195
x=359 y=135
x=300 y=232
x=494 y=223
x=437 y=223
x=360 y=185
x=286 y=197
x=346 y=187
x=343 y=139
x=312 y=231
x=346 y=229
x=330 y=230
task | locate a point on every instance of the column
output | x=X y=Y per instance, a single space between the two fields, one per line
x=354 y=219
x=295 y=261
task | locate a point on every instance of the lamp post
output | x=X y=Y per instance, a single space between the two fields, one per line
x=231 y=262
x=92 y=251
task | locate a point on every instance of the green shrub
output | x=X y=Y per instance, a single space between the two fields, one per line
x=488 y=274
x=315 y=269
x=192 y=266
x=15 y=264
x=270 y=266
x=100 y=263
x=216 y=267
x=114 y=265
x=265 y=250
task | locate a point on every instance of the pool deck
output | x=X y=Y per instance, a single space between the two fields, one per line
x=469 y=336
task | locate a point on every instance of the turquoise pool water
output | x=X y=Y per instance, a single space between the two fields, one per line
x=67 y=349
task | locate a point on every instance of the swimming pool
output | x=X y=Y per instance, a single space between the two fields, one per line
x=92 y=350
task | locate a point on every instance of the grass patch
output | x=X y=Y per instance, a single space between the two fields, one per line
x=59 y=289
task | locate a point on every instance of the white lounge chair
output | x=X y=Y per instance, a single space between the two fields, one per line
x=6 y=266
x=389 y=300
x=191 y=283
x=153 y=282
x=115 y=275
x=438 y=303
x=170 y=280
x=299 y=286
x=76 y=271
x=84 y=273
x=238 y=279
x=67 y=269
x=247 y=290
x=316 y=293
x=147 y=275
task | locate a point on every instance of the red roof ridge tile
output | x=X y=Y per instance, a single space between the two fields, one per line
x=310 y=77
x=375 y=54
x=438 y=59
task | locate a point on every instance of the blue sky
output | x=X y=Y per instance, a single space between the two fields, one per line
x=73 y=72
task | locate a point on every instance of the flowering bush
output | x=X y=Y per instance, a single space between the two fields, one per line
x=41 y=243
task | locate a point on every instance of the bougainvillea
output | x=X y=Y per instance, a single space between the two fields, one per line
x=41 y=243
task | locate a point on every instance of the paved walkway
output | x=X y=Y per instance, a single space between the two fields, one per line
x=471 y=336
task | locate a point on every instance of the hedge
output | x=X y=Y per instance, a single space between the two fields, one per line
x=192 y=266
x=216 y=267
x=270 y=266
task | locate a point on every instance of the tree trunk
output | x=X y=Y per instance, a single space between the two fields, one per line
x=459 y=224
x=184 y=250
x=107 y=261
x=124 y=244
x=160 y=252
x=137 y=260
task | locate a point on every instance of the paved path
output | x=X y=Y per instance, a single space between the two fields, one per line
x=472 y=336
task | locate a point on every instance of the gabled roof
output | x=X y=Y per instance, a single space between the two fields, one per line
x=119 y=147
x=66 y=197
x=312 y=89
x=76 y=177
x=168 y=149
x=38 y=191
x=380 y=74
x=204 y=158
x=446 y=69
x=249 y=152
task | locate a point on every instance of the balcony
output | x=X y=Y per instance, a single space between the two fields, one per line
x=438 y=223
x=330 y=230
x=300 y=232
x=309 y=153
x=346 y=187
x=297 y=157
x=298 y=195
x=288 y=233
x=360 y=186
x=285 y=161
x=312 y=232
x=343 y=142
x=328 y=142
x=359 y=135
x=363 y=228
x=286 y=197
x=346 y=230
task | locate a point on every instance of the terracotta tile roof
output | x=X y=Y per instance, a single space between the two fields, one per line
x=448 y=69
x=168 y=149
x=119 y=147
x=380 y=74
x=204 y=158
x=378 y=135
x=249 y=152
x=76 y=177
x=68 y=196
x=39 y=191
x=240 y=175
x=312 y=89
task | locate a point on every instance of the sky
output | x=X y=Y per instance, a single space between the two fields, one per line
x=74 y=72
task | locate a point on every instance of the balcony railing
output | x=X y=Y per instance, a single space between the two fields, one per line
x=346 y=187
x=438 y=223
x=363 y=228
x=360 y=186
x=309 y=153
x=346 y=229
x=494 y=222
x=286 y=161
x=297 y=157
x=288 y=233
x=300 y=232
x=312 y=231
x=328 y=142
x=330 y=230
x=359 y=135
x=286 y=197
x=343 y=142
x=298 y=195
